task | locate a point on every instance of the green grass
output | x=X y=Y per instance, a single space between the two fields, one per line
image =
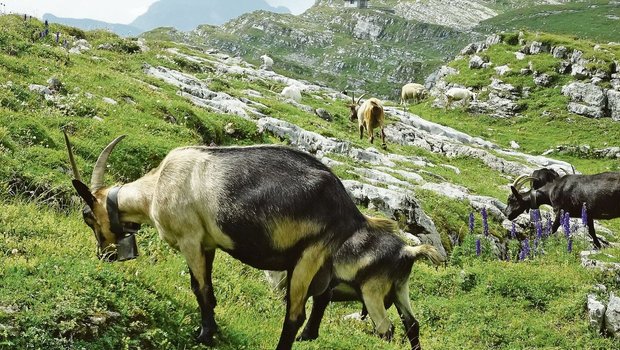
x=590 y=19
x=52 y=285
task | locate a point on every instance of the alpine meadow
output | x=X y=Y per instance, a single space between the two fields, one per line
x=502 y=89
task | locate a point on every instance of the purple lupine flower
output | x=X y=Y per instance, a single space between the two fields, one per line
x=570 y=245
x=536 y=245
x=478 y=247
x=513 y=231
x=521 y=255
x=549 y=226
x=57 y=37
x=566 y=224
x=471 y=223
x=526 y=247
x=485 y=223
x=539 y=229
x=584 y=214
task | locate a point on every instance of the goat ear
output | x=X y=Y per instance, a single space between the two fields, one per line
x=84 y=192
x=515 y=192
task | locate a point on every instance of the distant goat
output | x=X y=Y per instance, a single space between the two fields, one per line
x=373 y=266
x=413 y=91
x=293 y=92
x=274 y=208
x=267 y=62
x=599 y=192
x=459 y=94
x=370 y=115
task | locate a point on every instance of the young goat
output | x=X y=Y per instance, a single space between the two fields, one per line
x=413 y=91
x=372 y=266
x=271 y=207
x=459 y=94
x=369 y=115
x=599 y=192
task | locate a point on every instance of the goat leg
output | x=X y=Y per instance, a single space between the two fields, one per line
x=319 y=304
x=595 y=241
x=202 y=287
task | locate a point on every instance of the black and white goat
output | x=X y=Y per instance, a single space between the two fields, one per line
x=271 y=207
x=373 y=266
x=599 y=192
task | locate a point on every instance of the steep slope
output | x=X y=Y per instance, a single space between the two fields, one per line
x=597 y=20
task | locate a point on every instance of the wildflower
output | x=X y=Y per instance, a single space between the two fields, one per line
x=539 y=230
x=549 y=226
x=570 y=244
x=478 y=247
x=566 y=224
x=513 y=231
x=485 y=224
x=471 y=223
x=526 y=247
x=584 y=214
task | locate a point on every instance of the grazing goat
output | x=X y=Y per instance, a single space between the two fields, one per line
x=370 y=115
x=459 y=94
x=372 y=266
x=271 y=207
x=599 y=192
x=267 y=62
x=542 y=176
x=413 y=91
x=293 y=92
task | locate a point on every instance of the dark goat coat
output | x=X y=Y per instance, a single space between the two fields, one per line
x=599 y=192
x=543 y=176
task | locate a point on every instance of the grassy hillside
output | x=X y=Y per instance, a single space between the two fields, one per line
x=55 y=294
x=595 y=20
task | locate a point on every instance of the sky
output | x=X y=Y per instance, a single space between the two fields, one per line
x=107 y=10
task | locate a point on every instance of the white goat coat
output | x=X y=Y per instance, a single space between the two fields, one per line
x=293 y=92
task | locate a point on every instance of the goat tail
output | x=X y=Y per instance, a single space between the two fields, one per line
x=424 y=250
x=380 y=224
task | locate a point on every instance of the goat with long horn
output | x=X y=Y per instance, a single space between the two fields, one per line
x=600 y=193
x=271 y=207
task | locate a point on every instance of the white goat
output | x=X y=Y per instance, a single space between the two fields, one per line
x=293 y=92
x=267 y=62
x=272 y=207
x=370 y=115
x=413 y=91
x=459 y=94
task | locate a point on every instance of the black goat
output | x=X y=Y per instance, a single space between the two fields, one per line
x=599 y=192
x=543 y=176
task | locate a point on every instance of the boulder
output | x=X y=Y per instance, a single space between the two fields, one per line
x=612 y=316
x=586 y=99
x=401 y=206
x=476 y=62
x=596 y=312
x=537 y=47
x=501 y=70
x=613 y=104
x=40 y=89
x=559 y=52
x=323 y=114
x=543 y=79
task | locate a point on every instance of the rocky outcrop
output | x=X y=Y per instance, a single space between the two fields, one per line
x=586 y=99
x=399 y=205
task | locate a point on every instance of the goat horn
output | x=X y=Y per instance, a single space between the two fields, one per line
x=520 y=181
x=76 y=173
x=96 y=180
x=359 y=99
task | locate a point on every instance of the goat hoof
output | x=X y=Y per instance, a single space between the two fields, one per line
x=206 y=337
